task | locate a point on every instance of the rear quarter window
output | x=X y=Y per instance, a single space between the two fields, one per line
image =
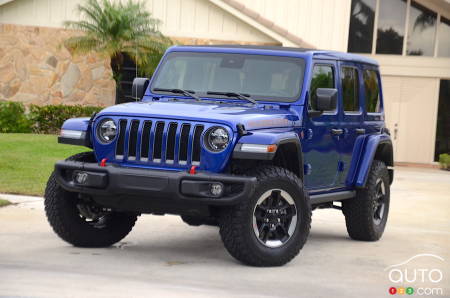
x=372 y=91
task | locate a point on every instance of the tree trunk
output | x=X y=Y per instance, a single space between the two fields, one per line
x=116 y=66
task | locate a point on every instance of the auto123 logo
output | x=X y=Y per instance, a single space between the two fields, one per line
x=420 y=275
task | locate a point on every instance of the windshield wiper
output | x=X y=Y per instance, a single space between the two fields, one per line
x=234 y=94
x=188 y=93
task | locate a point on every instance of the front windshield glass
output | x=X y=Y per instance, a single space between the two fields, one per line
x=269 y=78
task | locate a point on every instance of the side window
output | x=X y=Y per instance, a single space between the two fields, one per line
x=372 y=91
x=349 y=81
x=322 y=77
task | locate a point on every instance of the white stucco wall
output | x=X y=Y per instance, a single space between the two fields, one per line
x=323 y=23
x=180 y=18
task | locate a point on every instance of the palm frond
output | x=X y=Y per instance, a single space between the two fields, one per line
x=81 y=44
x=114 y=27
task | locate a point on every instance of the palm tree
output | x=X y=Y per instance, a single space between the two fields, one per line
x=117 y=28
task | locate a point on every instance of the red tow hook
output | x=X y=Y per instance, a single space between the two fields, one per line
x=103 y=162
x=192 y=170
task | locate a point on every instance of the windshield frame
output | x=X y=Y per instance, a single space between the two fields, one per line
x=301 y=59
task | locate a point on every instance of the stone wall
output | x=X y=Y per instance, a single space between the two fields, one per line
x=35 y=68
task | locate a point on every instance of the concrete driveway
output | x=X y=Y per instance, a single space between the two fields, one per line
x=163 y=257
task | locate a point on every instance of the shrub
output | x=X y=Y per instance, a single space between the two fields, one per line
x=39 y=119
x=13 y=117
x=49 y=119
x=444 y=161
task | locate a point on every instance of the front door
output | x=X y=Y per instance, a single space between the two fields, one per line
x=320 y=146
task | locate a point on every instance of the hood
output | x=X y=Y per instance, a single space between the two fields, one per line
x=252 y=117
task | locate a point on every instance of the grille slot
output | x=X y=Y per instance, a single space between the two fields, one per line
x=157 y=145
x=121 y=140
x=145 y=140
x=132 y=140
x=170 y=143
x=196 y=145
x=184 y=143
x=159 y=141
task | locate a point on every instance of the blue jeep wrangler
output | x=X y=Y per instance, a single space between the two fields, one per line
x=247 y=138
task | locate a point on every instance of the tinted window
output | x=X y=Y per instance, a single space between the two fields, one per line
x=361 y=26
x=349 y=81
x=372 y=91
x=421 y=30
x=444 y=38
x=322 y=77
x=263 y=77
x=391 y=26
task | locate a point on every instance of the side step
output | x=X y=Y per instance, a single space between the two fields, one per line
x=332 y=196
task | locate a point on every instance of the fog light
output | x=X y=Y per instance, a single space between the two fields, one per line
x=80 y=177
x=216 y=189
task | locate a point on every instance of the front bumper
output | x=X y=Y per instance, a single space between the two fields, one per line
x=128 y=188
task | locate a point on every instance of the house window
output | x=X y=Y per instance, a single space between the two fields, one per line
x=127 y=75
x=322 y=77
x=350 y=94
x=372 y=91
x=381 y=27
x=361 y=26
x=443 y=120
x=391 y=26
x=421 y=31
x=444 y=38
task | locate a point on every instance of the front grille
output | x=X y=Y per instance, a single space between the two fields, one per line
x=159 y=141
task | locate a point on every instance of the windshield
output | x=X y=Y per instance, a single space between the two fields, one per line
x=269 y=78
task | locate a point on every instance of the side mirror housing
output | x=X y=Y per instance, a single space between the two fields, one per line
x=326 y=99
x=139 y=87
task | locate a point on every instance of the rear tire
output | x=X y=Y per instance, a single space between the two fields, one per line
x=269 y=228
x=67 y=214
x=366 y=214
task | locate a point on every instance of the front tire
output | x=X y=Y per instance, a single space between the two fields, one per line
x=269 y=228
x=81 y=222
x=366 y=214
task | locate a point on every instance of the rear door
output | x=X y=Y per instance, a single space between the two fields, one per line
x=351 y=125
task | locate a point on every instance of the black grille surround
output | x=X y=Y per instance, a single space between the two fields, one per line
x=161 y=143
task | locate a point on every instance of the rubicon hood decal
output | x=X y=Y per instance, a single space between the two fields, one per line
x=253 y=117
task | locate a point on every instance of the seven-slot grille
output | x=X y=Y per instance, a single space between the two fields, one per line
x=159 y=141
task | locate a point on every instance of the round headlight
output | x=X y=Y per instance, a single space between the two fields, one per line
x=217 y=139
x=107 y=130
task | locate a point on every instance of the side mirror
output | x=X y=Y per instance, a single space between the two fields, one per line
x=326 y=99
x=139 y=87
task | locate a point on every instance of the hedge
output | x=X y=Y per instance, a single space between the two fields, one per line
x=444 y=161
x=13 y=118
x=48 y=119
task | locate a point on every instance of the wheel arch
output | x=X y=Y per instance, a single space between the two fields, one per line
x=288 y=155
x=377 y=147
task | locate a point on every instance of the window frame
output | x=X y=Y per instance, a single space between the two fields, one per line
x=406 y=26
x=333 y=68
x=273 y=99
x=358 y=86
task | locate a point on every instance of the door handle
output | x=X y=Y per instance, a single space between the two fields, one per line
x=360 y=131
x=337 y=131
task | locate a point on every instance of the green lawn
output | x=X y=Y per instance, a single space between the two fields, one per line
x=27 y=160
x=4 y=203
